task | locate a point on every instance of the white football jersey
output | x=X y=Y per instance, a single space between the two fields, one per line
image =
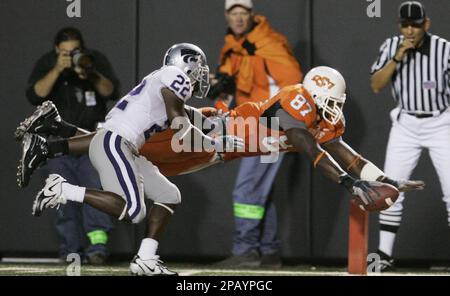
x=142 y=112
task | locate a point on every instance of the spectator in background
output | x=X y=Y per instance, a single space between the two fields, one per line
x=79 y=82
x=417 y=64
x=255 y=63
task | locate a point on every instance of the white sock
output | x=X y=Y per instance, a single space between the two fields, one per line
x=148 y=248
x=387 y=239
x=73 y=192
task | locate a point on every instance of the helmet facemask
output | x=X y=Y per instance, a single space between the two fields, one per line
x=330 y=107
x=200 y=81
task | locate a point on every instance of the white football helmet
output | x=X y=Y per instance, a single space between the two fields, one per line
x=327 y=88
x=192 y=61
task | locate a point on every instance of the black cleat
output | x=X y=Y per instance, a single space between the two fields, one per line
x=44 y=121
x=34 y=153
x=386 y=262
x=387 y=265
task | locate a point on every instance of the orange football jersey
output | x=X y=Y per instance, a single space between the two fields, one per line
x=244 y=121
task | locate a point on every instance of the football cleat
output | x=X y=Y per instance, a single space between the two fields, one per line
x=149 y=267
x=387 y=265
x=50 y=196
x=44 y=121
x=34 y=153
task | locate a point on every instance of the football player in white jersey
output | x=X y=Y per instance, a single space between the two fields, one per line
x=152 y=106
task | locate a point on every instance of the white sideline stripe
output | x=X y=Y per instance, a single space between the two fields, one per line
x=61 y=268
x=188 y=272
x=183 y=272
x=191 y=272
x=30 y=260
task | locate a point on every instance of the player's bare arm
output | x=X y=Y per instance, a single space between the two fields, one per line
x=180 y=123
x=305 y=142
x=354 y=163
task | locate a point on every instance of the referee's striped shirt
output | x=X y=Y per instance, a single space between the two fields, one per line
x=421 y=83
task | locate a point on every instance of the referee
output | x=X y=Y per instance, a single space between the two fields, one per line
x=417 y=64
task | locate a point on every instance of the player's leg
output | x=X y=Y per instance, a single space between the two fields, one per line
x=402 y=154
x=36 y=150
x=122 y=197
x=97 y=224
x=68 y=222
x=46 y=121
x=166 y=197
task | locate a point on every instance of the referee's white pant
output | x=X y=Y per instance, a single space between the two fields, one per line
x=408 y=137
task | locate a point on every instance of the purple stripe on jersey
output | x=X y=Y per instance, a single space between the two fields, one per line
x=113 y=161
x=131 y=175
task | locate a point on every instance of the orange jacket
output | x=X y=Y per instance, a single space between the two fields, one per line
x=272 y=56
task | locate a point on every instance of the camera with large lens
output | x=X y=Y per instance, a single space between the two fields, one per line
x=82 y=58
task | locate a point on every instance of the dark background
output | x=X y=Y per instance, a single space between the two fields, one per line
x=313 y=211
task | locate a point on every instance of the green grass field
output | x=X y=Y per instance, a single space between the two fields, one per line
x=22 y=269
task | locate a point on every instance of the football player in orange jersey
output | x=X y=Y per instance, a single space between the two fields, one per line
x=310 y=119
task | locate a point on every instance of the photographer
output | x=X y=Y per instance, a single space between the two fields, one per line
x=79 y=82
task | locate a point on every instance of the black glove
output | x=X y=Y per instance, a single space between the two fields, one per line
x=359 y=188
x=363 y=191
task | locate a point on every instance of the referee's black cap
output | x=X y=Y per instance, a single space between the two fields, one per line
x=412 y=12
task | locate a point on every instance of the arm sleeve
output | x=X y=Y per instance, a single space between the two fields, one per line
x=287 y=121
x=175 y=80
x=40 y=69
x=383 y=56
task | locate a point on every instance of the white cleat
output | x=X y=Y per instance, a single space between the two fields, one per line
x=50 y=196
x=149 y=267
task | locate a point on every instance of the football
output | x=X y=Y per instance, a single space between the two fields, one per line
x=384 y=195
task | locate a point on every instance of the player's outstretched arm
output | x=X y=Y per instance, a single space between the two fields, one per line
x=305 y=142
x=184 y=129
x=354 y=163
x=365 y=191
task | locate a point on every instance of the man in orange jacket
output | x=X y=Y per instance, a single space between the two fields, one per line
x=255 y=62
